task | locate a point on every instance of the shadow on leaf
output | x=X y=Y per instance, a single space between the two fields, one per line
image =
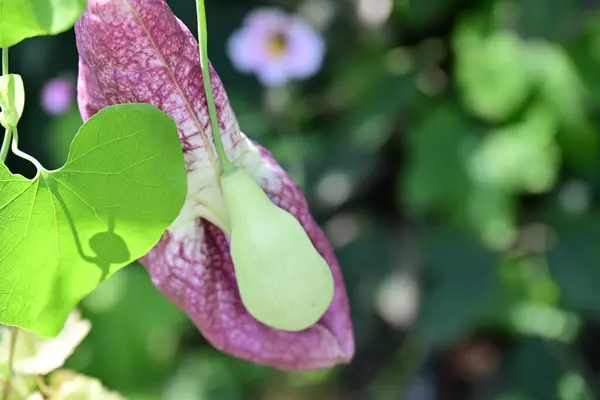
x=108 y=246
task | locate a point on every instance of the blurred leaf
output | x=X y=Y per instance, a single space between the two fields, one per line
x=491 y=71
x=585 y=57
x=521 y=157
x=425 y=12
x=357 y=72
x=534 y=369
x=348 y=167
x=547 y=370
x=560 y=84
x=386 y=97
x=552 y=19
x=575 y=262
x=526 y=279
x=572 y=386
x=513 y=273
x=435 y=176
x=58 y=137
x=373 y=246
x=492 y=214
x=464 y=284
x=136 y=333
x=22 y=19
x=212 y=375
x=375 y=87
x=531 y=319
x=563 y=90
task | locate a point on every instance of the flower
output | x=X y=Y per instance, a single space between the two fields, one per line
x=58 y=95
x=276 y=47
x=40 y=356
x=69 y=385
x=192 y=263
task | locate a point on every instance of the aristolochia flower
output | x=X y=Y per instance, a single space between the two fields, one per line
x=138 y=51
x=58 y=95
x=276 y=46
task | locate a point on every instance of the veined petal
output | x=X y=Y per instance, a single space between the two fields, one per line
x=138 y=51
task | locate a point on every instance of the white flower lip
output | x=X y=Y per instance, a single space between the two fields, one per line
x=283 y=280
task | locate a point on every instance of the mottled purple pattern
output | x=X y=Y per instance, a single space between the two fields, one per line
x=136 y=50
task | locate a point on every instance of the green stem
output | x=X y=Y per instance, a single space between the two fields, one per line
x=23 y=155
x=11 y=360
x=212 y=110
x=11 y=135
x=7 y=132
x=5 y=61
x=5 y=144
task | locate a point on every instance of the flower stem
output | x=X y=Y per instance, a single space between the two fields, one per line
x=8 y=131
x=5 y=61
x=23 y=155
x=210 y=101
x=11 y=360
x=5 y=144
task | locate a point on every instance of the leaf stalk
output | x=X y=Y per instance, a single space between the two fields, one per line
x=7 y=131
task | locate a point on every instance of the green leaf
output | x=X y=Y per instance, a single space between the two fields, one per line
x=520 y=157
x=567 y=96
x=209 y=374
x=436 y=176
x=118 y=348
x=550 y=19
x=492 y=71
x=426 y=13
x=536 y=368
x=65 y=231
x=575 y=263
x=12 y=99
x=22 y=19
x=463 y=288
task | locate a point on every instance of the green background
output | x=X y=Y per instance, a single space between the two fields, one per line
x=451 y=155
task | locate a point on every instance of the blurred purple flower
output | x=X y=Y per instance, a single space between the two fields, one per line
x=276 y=46
x=58 y=95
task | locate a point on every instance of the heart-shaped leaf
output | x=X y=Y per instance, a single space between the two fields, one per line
x=65 y=231
x=12 y=99
x=22 y=19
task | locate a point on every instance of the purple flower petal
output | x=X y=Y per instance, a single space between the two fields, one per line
x=252 y=49
x=138 y=51
x=306 y=49
x=273 y=75
x=267 y=18
x=58 y=95
x=245 y=58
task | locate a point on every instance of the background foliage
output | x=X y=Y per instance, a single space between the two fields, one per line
x=450 y=150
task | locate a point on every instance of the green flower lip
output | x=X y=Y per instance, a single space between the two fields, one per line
x=283 y=281
x=137 y=50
